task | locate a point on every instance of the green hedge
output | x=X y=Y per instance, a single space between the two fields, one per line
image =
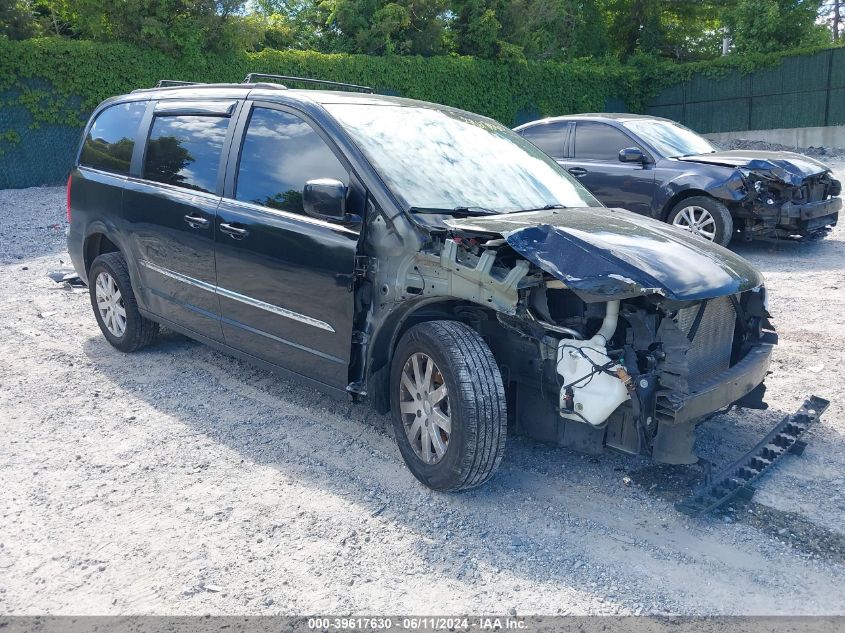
x=48 y=87
x=78 y=75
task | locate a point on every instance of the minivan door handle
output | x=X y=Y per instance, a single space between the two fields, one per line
x=577 y=171
x=234 y=231
x=196 y=222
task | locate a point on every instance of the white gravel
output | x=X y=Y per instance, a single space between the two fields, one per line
x=180 y=481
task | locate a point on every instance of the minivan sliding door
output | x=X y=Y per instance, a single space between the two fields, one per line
x=170 y=208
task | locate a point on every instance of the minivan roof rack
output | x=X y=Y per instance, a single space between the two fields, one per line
x=166 y=83
x=250 y=78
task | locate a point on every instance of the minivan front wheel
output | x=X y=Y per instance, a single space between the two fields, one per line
x=705 y=217
x=448 y=404
x=115 y=307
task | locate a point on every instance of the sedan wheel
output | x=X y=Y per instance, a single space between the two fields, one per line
x=696 y=220
x=424 y=406
x=110 y=304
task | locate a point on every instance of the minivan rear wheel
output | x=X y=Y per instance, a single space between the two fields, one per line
x=448 y=405
x=115 y=307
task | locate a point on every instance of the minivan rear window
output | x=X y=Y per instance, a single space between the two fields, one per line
x=111 y=139
x=185 y=151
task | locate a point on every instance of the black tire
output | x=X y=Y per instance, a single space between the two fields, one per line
x=139 y=331
x=722 y=219
x=476 y=405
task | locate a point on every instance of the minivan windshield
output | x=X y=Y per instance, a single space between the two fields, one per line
x=445 y=159
x=670 y=139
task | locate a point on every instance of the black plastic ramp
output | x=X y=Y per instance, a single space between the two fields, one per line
x=735 y=481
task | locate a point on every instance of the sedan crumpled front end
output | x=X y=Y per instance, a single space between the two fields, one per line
x=780 y=194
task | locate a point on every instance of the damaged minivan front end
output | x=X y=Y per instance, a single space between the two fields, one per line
x=624 y=333
x=594 y=328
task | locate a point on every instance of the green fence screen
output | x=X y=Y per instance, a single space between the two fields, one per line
x=803 y=91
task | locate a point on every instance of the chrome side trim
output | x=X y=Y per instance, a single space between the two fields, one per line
x=178 y=276
x=230 y=294
x=289 y=314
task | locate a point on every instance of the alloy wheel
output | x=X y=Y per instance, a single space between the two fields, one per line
x=110 y=304
x=696 y=220
x=424 y=406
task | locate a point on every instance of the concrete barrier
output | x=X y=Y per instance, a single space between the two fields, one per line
x=829 y=137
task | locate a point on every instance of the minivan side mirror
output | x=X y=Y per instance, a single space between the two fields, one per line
x=325 y=199
x=632 y=155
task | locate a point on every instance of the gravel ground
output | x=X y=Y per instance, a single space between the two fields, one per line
x=181 y=481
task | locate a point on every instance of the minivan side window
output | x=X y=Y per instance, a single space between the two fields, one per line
x=184 y=150
x=111 y=139
x=549 y=137
x=280 y=153
x=598 y=141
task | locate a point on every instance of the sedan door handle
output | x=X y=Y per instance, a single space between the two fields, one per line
x=196 y=222
x=234 y=231
x=577 y=171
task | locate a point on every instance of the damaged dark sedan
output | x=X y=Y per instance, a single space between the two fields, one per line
x=424 y=258
x=661 y=169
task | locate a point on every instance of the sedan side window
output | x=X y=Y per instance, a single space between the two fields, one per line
x=280 y=153
x=599 y=141
x=185 y=151
x=549 y=137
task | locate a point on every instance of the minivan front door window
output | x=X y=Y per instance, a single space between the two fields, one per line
x=281 y=152
x=599 y=141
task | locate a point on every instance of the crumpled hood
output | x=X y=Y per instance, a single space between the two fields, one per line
x=604 y=254
x=789 y=167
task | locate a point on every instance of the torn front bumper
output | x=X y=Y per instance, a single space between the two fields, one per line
x=718 y=392
x=811 y=214
x=800 y=219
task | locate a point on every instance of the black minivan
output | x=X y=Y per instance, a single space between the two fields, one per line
x=422 y=257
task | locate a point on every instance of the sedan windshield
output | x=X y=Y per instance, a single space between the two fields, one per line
x=454 y=161
x=670 y=139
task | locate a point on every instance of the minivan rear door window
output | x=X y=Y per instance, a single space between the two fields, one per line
x=184 y=150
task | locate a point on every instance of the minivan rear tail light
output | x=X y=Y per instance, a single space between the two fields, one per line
x=68 y=196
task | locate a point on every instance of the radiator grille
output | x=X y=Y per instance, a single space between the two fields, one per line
x=710 y=351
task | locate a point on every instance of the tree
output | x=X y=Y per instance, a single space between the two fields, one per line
x=833 y=11
x=528 y=29
x=169 y=25
x=765 y=26
x=17 y=21
x=404 y=27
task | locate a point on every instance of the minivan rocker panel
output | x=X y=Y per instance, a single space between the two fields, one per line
x=460 y=279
